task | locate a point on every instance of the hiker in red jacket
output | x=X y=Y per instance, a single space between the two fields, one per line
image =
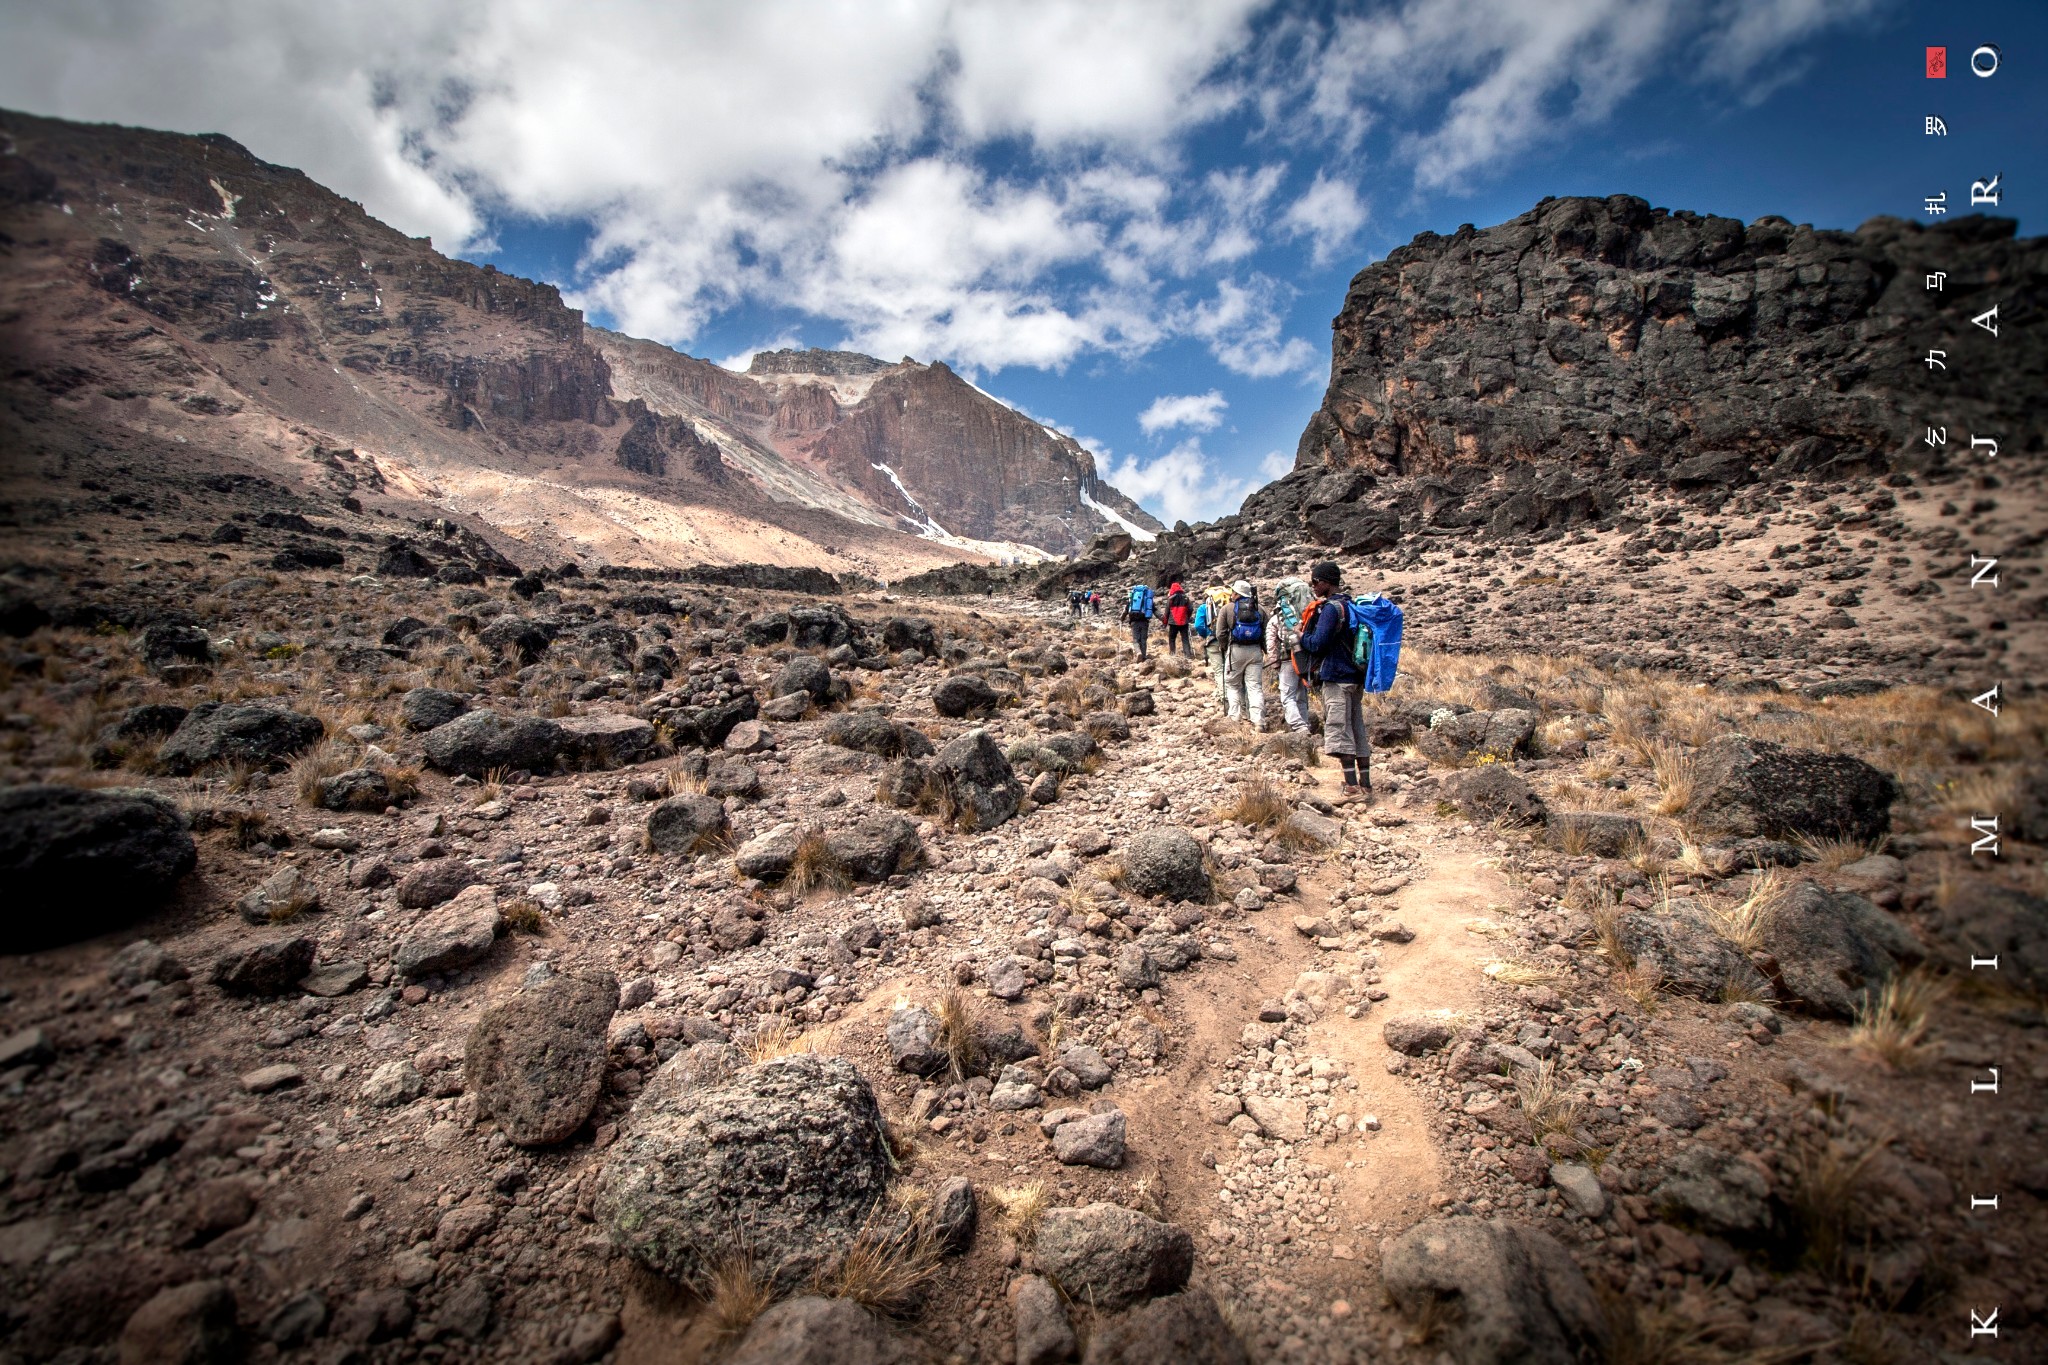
x=1179 y=614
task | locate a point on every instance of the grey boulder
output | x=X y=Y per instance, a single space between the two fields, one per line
x=452 y=936
x=1506 y=1294
x=1166 y=862
x=1180 y=1329
x=1111 y=1257
x=1831 y=947
x=1755 y=787
x=82 y=862
x=783 y=1161
x=224 y=732
x=477 y=742
x=535 y=1062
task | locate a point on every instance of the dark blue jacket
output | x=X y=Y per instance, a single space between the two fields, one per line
x=1328 y=641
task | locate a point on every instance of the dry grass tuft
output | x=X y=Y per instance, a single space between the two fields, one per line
x=315 y=766
x=816 y=867
x=1510 y=973
x=525 y=916
x=1259 y=804
x=957 y=1032
x=1674 y=774
x=1822 y=1187
x=1832 y=855
x=775 y=1036
x=1891 y=1023
x=490 y=789
x=1020 y=1207
x=1553 y=1112
x=887 y=1269
x=1745 y=923
x=1640 y=984
x=735 y=1294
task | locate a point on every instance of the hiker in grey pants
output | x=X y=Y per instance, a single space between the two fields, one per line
x=1327 y=640
x=1244 y=685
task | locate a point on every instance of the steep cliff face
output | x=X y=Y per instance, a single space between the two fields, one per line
x=178 y=289
x=1616 y=338
x=916 y=445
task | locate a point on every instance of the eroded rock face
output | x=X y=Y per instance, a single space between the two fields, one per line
x=783 y=1160
x=1511 y=1294
x=536 y=1062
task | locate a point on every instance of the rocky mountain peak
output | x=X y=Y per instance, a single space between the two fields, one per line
x=814 y=360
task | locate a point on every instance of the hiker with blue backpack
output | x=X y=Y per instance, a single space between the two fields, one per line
x=1352 y=648
x=1242 y=628
x=1283 y=637
x=1138 y=610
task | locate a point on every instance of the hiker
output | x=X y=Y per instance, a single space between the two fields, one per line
x=1074 y=602
x=1326 y=641
x=1180 y=614
x=1095 y=602
x=1215 y=651
x=1138 y=610
x=1283 y=638
x=1243 y=630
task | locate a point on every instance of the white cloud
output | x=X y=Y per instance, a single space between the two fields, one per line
x=1195 y=411
x=973 y=180
x=1512 y=76
x=1242 y=326
x=1181 y=485
x=1275 y=464
x=1329 y=213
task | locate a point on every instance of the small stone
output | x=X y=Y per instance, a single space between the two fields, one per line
x=265 y=1079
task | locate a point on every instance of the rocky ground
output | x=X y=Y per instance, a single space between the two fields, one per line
x=563 y=969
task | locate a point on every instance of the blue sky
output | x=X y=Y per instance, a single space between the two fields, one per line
x=1131 y=218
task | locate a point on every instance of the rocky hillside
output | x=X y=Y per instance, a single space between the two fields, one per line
x=1558 y=424
x=177 y=290
x=576 y=970
x=915 y=446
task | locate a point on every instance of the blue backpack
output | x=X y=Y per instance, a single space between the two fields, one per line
x=1375 y=640
x=1250 y=626
x=1140 y=603
x=1202 y=631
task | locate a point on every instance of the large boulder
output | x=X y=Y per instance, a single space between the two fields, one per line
x=1688 y=954
x=1111 y=1257
x=1180 y=1329
x=964 y=694
x=452 y=936
x=477 y=742
x=194 y=1323
x=871 y=732
x=985 y=788
x=605 y=742
x=1166 y=862
x=1715 y=1192
x=876 y=848
x=1755 y=787
x=822 y=627
x=783 y=1162
x=1830 y=947
x=1501 y=735
x=229 y=732
x=535 y=1062
x=1493 y=793
x=806 y=674
x=429 y=708
x=682 y=825
x=900 y=633
x=264 y=966
x=1504 y=1294
x=82 y=862
x=914 y=1041
x=818 y=1331
x=169 y=643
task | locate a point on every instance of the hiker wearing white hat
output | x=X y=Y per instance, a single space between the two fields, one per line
x=1243 y=629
